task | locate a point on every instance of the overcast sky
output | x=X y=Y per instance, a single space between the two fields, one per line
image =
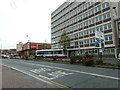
x=19 y=18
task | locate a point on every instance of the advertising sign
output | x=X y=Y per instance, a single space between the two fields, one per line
x=33 y=46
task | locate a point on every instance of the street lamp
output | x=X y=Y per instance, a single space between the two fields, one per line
x=28 y=38
x=44 y=44
x=27 y=47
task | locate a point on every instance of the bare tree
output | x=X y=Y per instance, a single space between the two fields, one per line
x=64 y=41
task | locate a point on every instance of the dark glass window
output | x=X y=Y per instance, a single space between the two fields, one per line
x=110 y=37
x=119 y=26
x=57 y=52
x=109 y=26
x=105 y=26
x=112 y=50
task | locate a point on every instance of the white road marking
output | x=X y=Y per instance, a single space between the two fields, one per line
x=40 y=70
x=93 y=74
x=52 y=75
x=44 y=77
x=87 y=73
x=58 y=74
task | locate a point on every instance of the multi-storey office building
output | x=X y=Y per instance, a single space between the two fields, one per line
x=80 y=19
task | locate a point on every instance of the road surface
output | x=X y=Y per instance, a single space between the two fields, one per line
x=66 y=75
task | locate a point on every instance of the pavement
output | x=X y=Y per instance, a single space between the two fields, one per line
x=14 y=79
x=113 y=61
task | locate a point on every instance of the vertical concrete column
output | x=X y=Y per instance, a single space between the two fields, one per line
x=116 y=38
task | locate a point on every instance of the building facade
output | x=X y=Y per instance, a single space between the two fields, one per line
x=19 y=46
x=80 y=20
x=29 y=48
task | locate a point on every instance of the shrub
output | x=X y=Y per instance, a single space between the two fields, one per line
x=117 y=64
x=26 y=58
x=88 y=62
x=99 y=61
x=54 y=59
x=88 y=56
x=107 y=64
x=63 y=60
x=76 y=59
x=72 y=59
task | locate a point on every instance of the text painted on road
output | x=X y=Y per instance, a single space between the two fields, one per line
x=40 y=70
x=49 y=74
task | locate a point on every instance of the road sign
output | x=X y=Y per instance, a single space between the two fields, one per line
x=99 y=39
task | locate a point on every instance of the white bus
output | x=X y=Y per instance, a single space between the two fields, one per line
x=50 y=53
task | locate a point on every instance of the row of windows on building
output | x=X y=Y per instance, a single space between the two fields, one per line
x=75 y=4
x=86 y=41
x=87 y=13
x=84 y=32
x=95 y=51
x=82 y=24
x=90 y=41
x=80 y=8
x=64 y=5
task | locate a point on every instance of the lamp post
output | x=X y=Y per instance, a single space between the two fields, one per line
x=45 y=45
x=27 y=47
x=28 y=38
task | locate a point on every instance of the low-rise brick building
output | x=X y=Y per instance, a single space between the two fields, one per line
x=29 y=48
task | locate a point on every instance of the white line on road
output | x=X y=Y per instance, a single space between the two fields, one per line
x=93 y=74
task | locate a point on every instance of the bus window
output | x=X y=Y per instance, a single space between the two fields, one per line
x=49 y=52
x=57 y=52
x=39 y=52
x=45 y=52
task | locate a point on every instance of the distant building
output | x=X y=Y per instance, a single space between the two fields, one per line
x=80 y=19
x=19 y=46
x=29 y=48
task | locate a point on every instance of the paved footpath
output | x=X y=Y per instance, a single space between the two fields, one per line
x=111 y=61
x=14 y=79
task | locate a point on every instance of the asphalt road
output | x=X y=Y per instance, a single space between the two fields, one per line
x=66 y=75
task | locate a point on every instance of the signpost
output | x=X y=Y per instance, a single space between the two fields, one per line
x=99 y=42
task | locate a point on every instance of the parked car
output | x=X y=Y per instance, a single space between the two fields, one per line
x=4 y=56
